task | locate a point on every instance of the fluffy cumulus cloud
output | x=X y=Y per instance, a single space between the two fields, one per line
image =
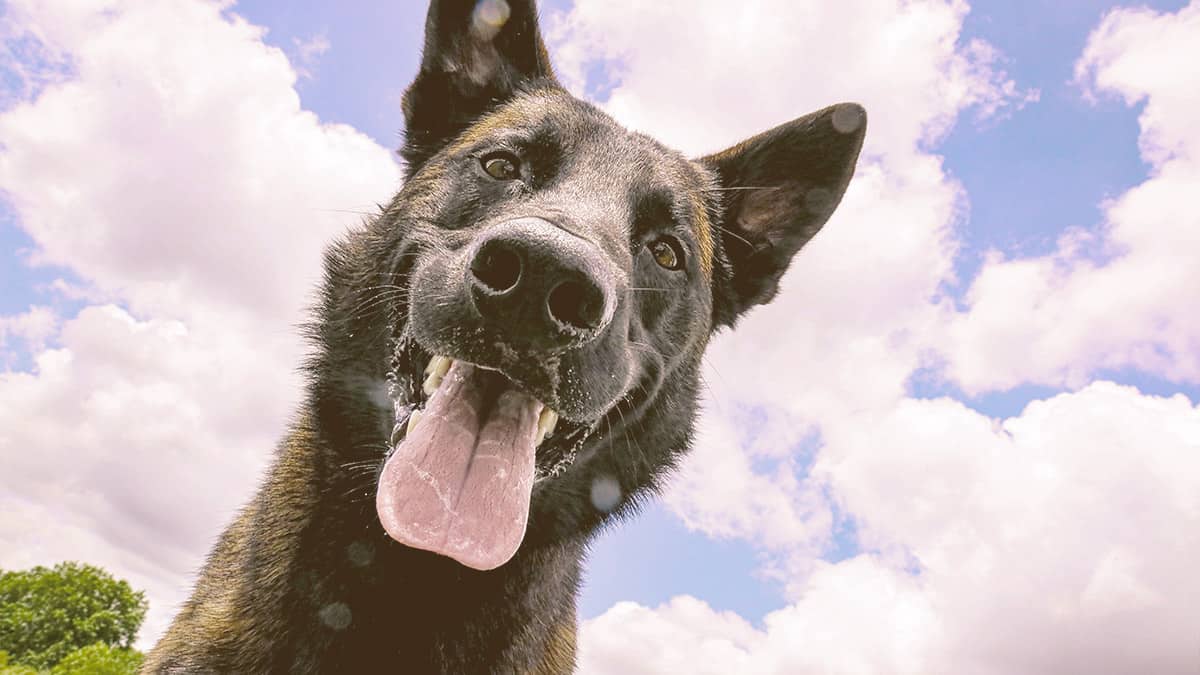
x=30 y=329
x=195 y=180
x=1049 y=542
x=159 y=151
x=826 y=632
x=696 y=74
x=1056 y=541
x=1120 y=296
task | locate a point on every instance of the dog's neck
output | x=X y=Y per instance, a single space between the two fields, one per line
x=359 y=596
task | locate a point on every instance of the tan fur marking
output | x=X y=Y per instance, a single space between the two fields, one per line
x=519 y=113
x=560 y=652
x=704 y=234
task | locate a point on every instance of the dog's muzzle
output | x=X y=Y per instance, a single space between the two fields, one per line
x=539 y=286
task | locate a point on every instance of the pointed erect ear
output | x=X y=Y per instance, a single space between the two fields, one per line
x=779 y=188
x=477 y=54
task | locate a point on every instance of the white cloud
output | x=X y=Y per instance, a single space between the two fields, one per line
x=31 y=327
x=1120 y=296
x=1057 y=541
x=857 y=617
x=308 y=52
x=1146 y=56
x=197 y=194
x=195 y=180
x=699 y=76
x=27 y=64
x=137 y=438
x=722 y=493
x=683 y=636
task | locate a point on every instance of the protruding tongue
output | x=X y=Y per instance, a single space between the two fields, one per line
x=459 y=484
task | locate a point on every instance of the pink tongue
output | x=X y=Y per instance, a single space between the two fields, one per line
x=459 y=483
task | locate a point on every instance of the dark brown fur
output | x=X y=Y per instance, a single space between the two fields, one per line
x=305 y=579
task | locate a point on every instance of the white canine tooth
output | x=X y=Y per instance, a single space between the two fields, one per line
x=412 y=421
x=438 y=364
x=436 y=370
x=546 y=422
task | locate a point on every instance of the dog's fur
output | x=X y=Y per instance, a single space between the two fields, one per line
x=306 y=580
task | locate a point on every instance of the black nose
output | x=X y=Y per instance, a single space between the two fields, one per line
x=541 y=286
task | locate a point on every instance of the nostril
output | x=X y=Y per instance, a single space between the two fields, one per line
x=576 y=304
x=497 y=267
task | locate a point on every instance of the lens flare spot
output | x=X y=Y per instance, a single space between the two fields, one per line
x=606 y=493
x=360 y=553
x=489 y=17
x=335 y=615
x=847 y=119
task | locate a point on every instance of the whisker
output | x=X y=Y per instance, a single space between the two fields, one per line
x=735 y=235
x=740 y=187
x=648 y=348
x=360 y=310
x=631 y=443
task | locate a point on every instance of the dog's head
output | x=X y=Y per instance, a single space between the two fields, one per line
x=540 y=292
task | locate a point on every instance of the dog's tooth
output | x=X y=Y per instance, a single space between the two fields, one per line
x=546 y=423
x=412 y=421
x=437 y=369
x=431 y=384
x=438 y=364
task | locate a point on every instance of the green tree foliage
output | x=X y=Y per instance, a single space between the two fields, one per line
x=99 y=659
x=48 y=613
x=7 y=668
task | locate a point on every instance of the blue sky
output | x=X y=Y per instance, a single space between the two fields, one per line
x=1029 y=174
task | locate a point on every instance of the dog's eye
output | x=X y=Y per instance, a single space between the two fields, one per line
x=667 y=252
x=502 y=166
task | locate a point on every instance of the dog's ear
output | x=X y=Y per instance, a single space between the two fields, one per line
x=477 y=54
x=779 y=188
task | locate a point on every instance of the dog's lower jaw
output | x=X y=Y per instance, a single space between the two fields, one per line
x=299 y=583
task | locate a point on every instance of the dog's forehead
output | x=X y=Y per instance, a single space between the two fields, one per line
x=604 y=167
x=579 y=131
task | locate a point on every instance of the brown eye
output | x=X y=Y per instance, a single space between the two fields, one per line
x=502 y=166
x=667 y=253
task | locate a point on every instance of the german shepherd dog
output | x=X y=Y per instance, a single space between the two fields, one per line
x=506 y=357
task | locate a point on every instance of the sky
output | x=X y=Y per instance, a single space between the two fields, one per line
x=965 y=438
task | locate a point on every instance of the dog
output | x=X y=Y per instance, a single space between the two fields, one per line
x=507 y=356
